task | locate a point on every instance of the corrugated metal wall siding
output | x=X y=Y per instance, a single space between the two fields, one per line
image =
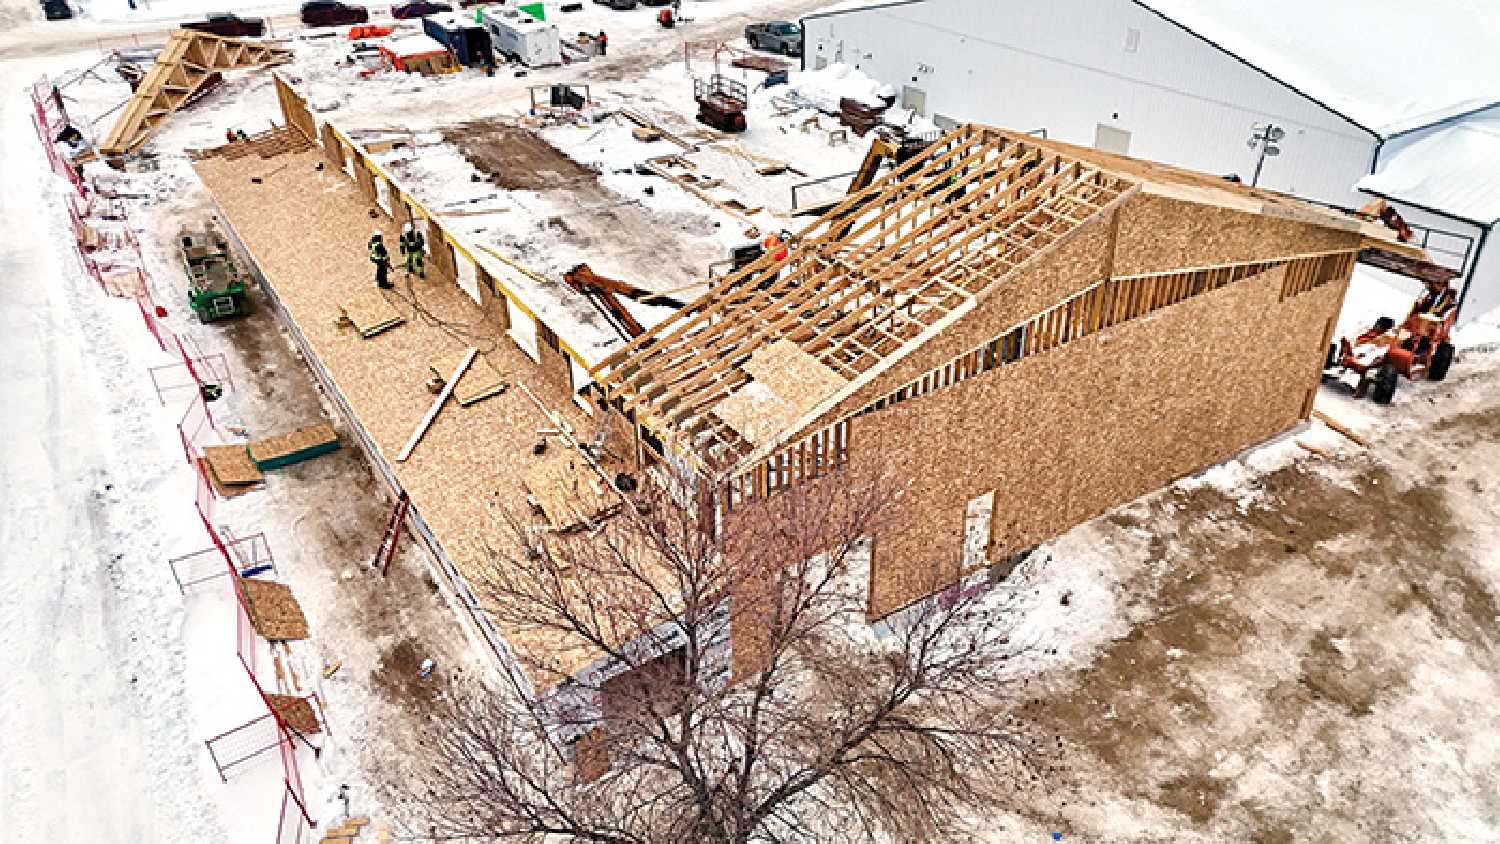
x=1064 y=66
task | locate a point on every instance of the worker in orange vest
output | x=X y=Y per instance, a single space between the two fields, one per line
x=603 y=43
x=775 y=244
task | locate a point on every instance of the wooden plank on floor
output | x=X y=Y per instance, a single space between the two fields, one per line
x=371 y=312
x=481 y=381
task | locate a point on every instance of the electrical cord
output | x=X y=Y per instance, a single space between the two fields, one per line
x=463 y=332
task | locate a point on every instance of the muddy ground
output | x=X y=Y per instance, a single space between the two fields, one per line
x=1316 y=665
x=324 y=519
x=654 y=249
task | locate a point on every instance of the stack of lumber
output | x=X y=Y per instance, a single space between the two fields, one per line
x=274 y=611
x=230 y=469
x=267 y=144
x=346 y=832
x=858 y=116
x=286 y=449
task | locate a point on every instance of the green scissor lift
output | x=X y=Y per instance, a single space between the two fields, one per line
x=216 y=290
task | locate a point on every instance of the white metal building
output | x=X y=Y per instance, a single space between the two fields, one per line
x=1353 y=83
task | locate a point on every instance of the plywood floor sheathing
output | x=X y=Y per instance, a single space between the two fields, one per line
x=306 y=230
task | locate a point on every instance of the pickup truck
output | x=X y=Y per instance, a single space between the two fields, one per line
x=229 y=26
x=775 y=37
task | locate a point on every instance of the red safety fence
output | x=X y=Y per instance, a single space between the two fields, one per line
x=152 y=313
x=251 y=555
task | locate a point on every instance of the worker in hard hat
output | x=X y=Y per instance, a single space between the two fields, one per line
x=1437 y=300
x=381 y=258
x=412 y=244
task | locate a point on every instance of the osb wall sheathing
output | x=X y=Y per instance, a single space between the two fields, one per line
x=294 y=109
x=1145 y=234
x=1065 y=435
x=332 y=147
x=1080 y=261
x=1157 y=234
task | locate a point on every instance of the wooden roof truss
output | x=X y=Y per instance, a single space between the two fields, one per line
x=865 y=283
x=184 y=65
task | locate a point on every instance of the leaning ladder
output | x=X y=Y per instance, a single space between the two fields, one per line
x=392 y=536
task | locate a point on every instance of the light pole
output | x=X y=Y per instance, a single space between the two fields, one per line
x=1265 y=137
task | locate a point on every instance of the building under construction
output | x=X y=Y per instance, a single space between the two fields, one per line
x=1029 y=333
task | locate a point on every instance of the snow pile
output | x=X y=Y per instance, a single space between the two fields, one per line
x=910 y=121
x=1479 y=335
x=825 y=88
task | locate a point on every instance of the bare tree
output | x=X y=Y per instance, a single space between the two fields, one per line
x=807 y=723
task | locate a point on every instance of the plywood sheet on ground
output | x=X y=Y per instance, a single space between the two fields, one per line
x=371 y=312
x=297 y=712
x=231 y=465
x=222 y=489
x=279 y=448
x=570 y=493
x=481 y=381
x=306 y=231
x=274 y=611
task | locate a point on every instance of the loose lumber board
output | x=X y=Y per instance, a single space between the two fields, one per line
x=481 y=381
x=297 y=712
x=274 y=611
x=231 y=465
x=296 y=446
x=437 y=404
x=371 y=312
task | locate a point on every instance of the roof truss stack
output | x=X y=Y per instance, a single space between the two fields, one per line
x=187 y=61
x=866 y=282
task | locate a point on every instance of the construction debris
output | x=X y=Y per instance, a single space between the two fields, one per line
x=273 y=610
x=437 y=404
x=481 y=381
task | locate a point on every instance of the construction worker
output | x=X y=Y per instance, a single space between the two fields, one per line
x=412 y=244
x=603 y=43
x=382 y=261
x=1437 y=300
x=775 y=244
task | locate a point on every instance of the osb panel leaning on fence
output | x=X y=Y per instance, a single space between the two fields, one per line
x=273 y=610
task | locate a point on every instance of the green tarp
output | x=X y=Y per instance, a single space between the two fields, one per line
x=536 y=10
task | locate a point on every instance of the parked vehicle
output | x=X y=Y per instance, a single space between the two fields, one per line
x=332 y=13
x=519 y=37
x=781 y=37
x=621 y=5
x=419 y=9
x=229 y=26
x=56 y=10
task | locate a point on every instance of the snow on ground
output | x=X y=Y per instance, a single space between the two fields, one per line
x=97 y=741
